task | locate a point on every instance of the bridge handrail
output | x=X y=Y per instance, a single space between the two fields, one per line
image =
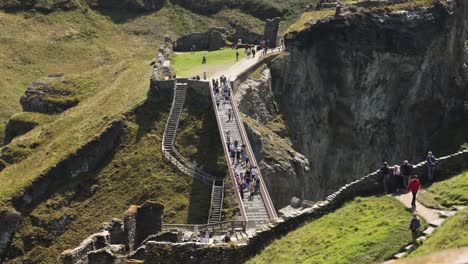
x=226 y=153
x=263 y=189
x=226 y=225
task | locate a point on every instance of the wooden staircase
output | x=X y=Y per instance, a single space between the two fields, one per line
x=217 y=194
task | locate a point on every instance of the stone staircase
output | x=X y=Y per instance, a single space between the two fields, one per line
x=183 y=164
x=258 y=210
x=217 y=196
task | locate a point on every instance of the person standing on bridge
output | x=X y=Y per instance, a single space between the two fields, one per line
x=431 y=164
x=414 y=186
x=385 y=172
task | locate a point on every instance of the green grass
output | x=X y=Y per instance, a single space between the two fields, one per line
x=365 y=230
x=453 y=191
x=134 y=173
x=187 y=64
x=453 y=233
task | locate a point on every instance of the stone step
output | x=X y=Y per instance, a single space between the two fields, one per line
x=399 y=255
x=428 y=231
x=437 y=223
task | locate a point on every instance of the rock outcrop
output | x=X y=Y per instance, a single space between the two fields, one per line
x=41 y=6
x=245 y=34
x=9 y=221
x=284 y=169
x=362 y=88
x=52 y=95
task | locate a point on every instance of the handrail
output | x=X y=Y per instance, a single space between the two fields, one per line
x=226 y=154
x=232 y=224
x=263 y=190
x=211 y=203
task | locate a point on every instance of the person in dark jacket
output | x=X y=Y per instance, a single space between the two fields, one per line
x=406 y=171
x=431 y=163
x=415 y=226
x=385 y=172
x=414 y=186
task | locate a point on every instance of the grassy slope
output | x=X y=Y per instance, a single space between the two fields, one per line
x=452 y=234
x=453 y=191
x=366 y=230
x=135 y=173
x=187 y=64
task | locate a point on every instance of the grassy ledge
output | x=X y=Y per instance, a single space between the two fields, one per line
x=453 y=191
x=365 y=230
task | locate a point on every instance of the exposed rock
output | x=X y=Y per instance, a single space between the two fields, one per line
x=9 y=221
x=116 y=231
x=50 y=96
x=245 y=34
x=17 y=127
x=102 y=256
x=370 y=87
x=162 y=63
x=271 y=31
x=296 y=202
x=56 y=226
x=210 y=40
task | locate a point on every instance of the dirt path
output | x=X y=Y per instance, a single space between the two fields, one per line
x=428 y=214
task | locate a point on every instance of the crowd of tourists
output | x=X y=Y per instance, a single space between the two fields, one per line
x=408 y=182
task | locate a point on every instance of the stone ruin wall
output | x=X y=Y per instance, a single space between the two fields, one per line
x=100 y=246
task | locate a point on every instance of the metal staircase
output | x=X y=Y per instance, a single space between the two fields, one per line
x=217 y=197
x=180 y=93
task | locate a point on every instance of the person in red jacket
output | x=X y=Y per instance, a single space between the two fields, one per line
x=414 y=186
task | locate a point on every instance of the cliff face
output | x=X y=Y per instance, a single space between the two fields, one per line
x=368 y=87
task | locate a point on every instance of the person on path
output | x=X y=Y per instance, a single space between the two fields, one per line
x=204 y=76
x=238 y=154
x=252 y=191
x=253 y=52
x=257 y=184
x=431 y=163
x=254 y=172
x=237 y=55
x=241 y=192
x=204 y=59
x=226 y=96
x=399 y=180
x=229 y=115
x=415 y=226
x=385 y=172
x=414 y=186
x=406 y=170
x=217 y=100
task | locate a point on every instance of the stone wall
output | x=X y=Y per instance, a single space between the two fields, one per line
x=117 y=237
x=164 y=252
x=162 y=62
x=200 y=87
x=271 y=31
x=213 y=39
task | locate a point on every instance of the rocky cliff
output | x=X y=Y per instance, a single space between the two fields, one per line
x=359 y=89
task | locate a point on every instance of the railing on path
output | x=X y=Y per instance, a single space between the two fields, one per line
x=263 y=189
x=231 y=226
x=171 y=154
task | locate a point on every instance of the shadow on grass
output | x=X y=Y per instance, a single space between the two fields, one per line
x=148 y=113
x=199 y=202
x=120 y=15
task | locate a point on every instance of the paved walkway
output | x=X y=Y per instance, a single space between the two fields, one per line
x=428 y=214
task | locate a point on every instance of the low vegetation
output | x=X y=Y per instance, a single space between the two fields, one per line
x=134 y=173
x=188 y=64
x=453 y=233
x=365 y=230
x=453 y=191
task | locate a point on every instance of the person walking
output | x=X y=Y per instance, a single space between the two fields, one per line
x=415 y=226
x=406 y=170
x=204 y=59
x=414 y=186
x=204 y=76
x=237 y=55
x=253 y=52
x=252 y=191
x=385 y=172
x=431 y=163
x=241 y=191
x=229 y=115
